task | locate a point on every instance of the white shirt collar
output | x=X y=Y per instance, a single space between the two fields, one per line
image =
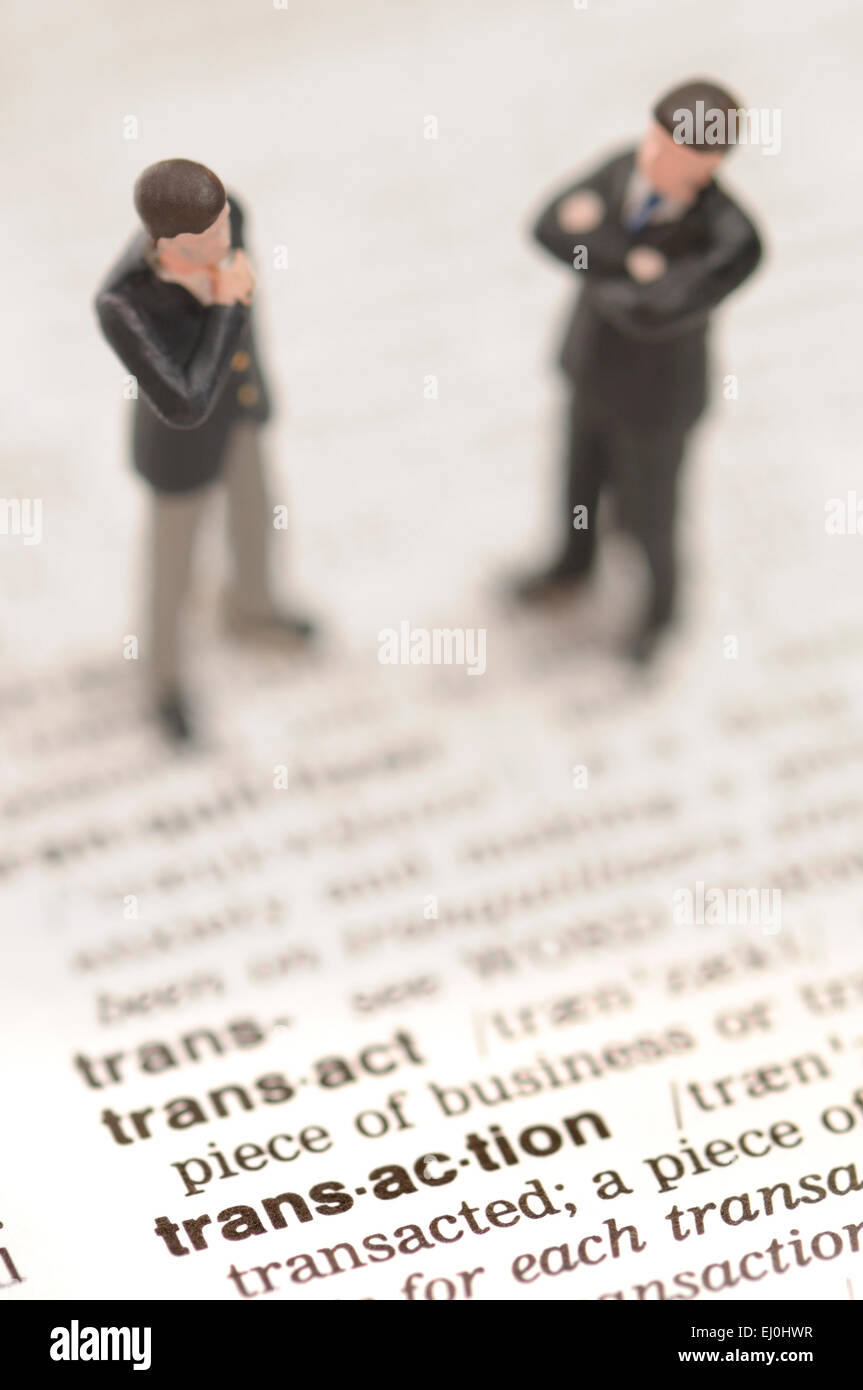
x=637 y=189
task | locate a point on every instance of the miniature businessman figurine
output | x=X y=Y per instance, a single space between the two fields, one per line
x=657 y=244
x=176 y=310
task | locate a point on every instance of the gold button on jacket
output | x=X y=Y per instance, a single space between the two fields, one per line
x=247 y=394
x=240 y=362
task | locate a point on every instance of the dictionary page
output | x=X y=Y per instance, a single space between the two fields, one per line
x=461 y=960
x=431 y=1020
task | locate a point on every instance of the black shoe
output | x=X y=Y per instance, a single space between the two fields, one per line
x=273 y=626
x=172 y=713
x=555 y=582
x=644 y=644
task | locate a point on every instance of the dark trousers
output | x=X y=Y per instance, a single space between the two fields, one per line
x=638 y=466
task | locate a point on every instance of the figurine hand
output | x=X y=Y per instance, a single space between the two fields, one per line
x=581 y=212
x=645 y=263
x=235 y=282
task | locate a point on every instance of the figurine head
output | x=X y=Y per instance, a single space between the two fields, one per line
x=689 y=137
x=184 y=207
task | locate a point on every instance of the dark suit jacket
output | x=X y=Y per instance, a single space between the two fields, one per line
x=195 y=365
x=640 y=350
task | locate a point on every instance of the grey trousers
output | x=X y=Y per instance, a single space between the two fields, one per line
x=176 y=521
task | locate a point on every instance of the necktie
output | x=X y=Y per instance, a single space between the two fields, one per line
x=641 y=216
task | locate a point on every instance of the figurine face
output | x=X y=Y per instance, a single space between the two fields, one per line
x=675 y=171
x=205 y=248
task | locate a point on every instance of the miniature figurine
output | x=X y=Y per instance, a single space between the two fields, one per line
x=658 y=244
x=176 y=310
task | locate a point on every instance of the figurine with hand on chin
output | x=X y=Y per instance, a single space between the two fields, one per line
x=657 y=245
x=176 y=310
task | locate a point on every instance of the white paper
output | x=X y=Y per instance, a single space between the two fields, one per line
x=454 y=877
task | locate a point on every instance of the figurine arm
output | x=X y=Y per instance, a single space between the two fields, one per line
x=561 y=233
x=693 y=284
x=182 y=395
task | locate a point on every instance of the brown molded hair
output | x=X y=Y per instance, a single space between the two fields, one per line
x=178 y=195
x=685 y=98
